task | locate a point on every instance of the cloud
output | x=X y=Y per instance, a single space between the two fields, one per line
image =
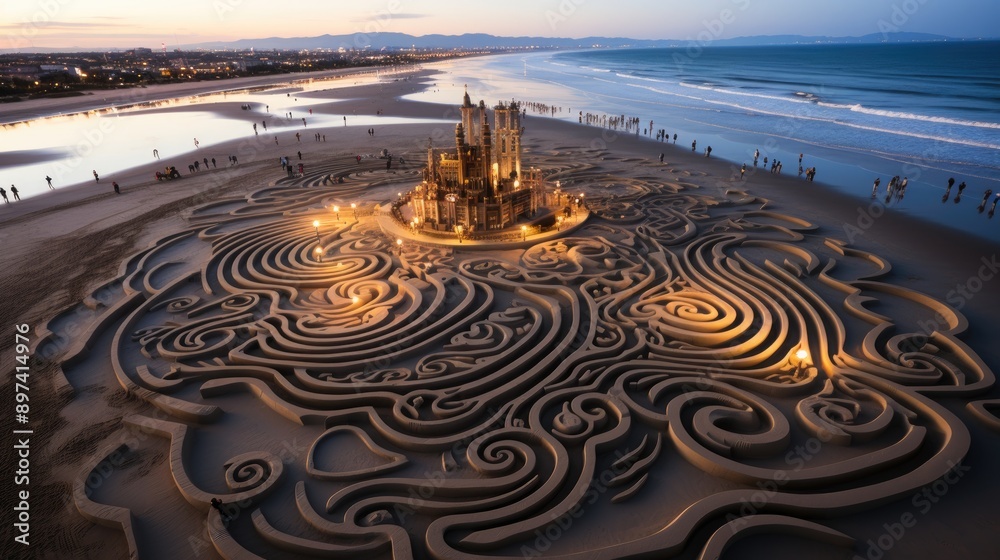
x=60 y=25
x=404 y=15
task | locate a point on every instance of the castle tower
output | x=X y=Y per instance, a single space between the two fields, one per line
x=507 y=141
x=487 y=150
x=472 y=118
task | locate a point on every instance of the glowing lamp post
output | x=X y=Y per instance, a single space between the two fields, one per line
x=319 y=254
x=802 y=356
x=316 y=225
x=524 y=233
x=399 y=245
x=336 y=211
x=354 y=208
x=559 y=221
x=458 y=232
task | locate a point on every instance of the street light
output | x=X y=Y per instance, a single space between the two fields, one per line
x=399 y=244
x=354 y=208
x=316 y=225
x=458 y=231
x=559 y=221
x=524 y=233
x=802 y=355
x=319 y=253
x=336 y=210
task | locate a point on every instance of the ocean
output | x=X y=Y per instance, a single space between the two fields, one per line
x=924 y=111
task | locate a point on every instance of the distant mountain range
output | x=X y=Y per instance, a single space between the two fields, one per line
x=378 y=41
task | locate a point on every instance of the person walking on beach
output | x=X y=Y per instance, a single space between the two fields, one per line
x=156 y=153
x=264 y=124
x=298 y=137
x=708 y=151
x=13 y=191
x=96 y=178
x=878 y=181
x=196 y=143
x=951 y=181
x=115 y=185
x=675 y=138
x=213 y=163
x=300 y=155
x=49 y=181
x=3 y=193
x=661 y=157
x=743 y=171
x=694 y=145
x=206 y=163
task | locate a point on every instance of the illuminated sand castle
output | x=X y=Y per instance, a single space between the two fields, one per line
x=480 y=185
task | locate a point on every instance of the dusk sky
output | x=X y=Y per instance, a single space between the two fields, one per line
x=126 y=23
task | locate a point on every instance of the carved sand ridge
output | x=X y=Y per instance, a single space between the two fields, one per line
x=627 y=385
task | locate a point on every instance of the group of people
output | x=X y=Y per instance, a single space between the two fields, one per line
x=13 y=191
x=982 y=203
x=196 y=166
x=287 y=166
x=16 y=194
x=896 y=187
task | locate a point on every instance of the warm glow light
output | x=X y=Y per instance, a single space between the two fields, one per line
x=399 y=242
x=336 y=208
x=315 y=223
x=802 y=355
x=355 y=299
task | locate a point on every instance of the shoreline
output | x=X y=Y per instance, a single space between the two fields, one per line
x=73 y=243
x=33 y=109
x=734 y=134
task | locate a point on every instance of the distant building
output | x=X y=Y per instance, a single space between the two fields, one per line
x=480 y=185
x=59 y=69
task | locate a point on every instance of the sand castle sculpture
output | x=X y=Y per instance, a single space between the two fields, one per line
x=685 y=369
x=480 y=185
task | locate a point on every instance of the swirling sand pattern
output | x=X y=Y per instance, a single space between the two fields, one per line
x=649 y=371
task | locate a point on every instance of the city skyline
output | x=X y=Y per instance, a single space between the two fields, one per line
x=56 y=24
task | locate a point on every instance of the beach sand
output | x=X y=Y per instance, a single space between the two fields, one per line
x=537 y=360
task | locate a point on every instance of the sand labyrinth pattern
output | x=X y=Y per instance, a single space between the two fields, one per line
x=687 y=364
